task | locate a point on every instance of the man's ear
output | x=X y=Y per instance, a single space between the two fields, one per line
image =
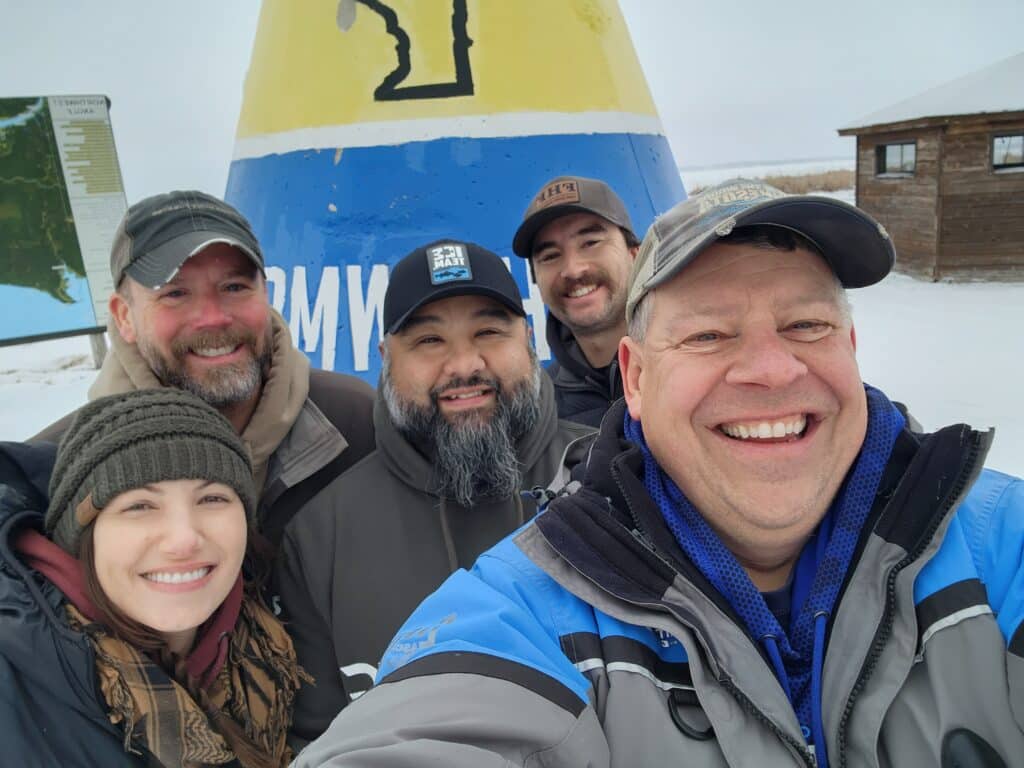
x=121 y=312
x=633 y=251
x=631 y=367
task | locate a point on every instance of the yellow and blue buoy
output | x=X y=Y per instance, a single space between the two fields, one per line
x=370 y=127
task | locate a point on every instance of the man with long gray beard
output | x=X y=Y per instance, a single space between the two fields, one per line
x=190 y=310
x=466 y=427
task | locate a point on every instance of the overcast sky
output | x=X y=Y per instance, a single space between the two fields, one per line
x=740 y=81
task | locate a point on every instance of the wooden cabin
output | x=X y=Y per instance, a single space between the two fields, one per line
x=944 y=173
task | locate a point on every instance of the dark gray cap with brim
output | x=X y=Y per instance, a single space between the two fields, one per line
x=158 y=234
x=856 y=247
x=563 y=196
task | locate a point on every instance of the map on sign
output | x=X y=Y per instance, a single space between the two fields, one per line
x=61 y=198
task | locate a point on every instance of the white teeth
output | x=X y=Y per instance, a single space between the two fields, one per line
x=178 y=577
x=215 y=352
x=582 y=290
x=465 y=396
x=763 y=429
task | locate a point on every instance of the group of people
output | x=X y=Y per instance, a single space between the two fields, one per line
x=698 y=538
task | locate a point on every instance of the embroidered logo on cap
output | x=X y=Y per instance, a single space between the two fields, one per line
x=559 y=193
x=448 y=262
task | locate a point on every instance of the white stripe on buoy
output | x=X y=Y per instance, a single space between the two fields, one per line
x=393 y=132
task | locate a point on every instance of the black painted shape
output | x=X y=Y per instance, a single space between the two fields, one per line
x=962 y=748
x=390 y=90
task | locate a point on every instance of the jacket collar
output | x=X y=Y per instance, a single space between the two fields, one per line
x=566 y=351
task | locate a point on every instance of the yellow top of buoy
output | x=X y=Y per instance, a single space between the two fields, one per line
x=319 y=63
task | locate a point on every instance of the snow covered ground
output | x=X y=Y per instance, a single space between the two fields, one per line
x=951 y=352
x=707 y=176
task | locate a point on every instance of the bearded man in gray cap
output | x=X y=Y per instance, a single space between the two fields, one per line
x=190 y=310
x=579 y=241
x=467 y=441
x=762 y=565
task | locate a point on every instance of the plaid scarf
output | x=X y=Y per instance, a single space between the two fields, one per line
x=169 y=714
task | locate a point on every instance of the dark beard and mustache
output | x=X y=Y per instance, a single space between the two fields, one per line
x=223 y=386
x=473 y=457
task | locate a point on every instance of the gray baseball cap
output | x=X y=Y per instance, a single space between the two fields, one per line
x=856 y=247
x=562 y=196
x=158 y=234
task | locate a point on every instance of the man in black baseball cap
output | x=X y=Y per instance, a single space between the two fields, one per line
x=465 y=422
x=190 y=311
x=579 y=241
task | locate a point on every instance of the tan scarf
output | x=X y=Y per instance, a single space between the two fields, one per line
x=283 y=395
x=170 y=715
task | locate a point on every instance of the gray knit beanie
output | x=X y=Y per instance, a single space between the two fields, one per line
x=122 y=442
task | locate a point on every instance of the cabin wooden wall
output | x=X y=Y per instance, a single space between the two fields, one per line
x=906 y=206
x=981 y=229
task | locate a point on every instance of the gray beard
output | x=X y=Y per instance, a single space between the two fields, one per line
x=473 y=458
x=223 y=387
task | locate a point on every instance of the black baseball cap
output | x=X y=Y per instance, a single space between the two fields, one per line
x=158 y=234
x=442 y=269
x=562 y=196
x=857 y=248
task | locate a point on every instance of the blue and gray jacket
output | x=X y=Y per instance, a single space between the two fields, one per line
x=587 y=638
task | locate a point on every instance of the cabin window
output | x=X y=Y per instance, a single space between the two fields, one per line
x=1008 y=151
x=896 y=159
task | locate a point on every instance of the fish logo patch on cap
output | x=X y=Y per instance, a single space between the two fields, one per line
x=448 y=262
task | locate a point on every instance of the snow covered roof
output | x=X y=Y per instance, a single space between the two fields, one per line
x=997 y=88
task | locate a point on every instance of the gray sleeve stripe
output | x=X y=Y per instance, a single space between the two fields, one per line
x=581 y=647
x=950 y=601
x=462 y=662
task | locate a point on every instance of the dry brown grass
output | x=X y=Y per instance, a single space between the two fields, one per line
x=827 y=181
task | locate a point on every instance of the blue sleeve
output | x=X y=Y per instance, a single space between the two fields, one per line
x=994 y=529
x=505 y=607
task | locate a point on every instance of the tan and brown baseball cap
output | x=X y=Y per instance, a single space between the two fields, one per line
x=564 y=195
x=157 y=235
x=856 y=247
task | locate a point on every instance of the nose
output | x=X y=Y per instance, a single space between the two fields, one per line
x=181 y=535
x=767 y=360
x=464 y=361
x=209 y=312
x=574 y=266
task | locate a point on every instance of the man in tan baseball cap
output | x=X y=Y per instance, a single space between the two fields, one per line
x=579 y=241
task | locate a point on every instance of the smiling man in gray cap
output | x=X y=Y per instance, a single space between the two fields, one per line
x=762 y=565
x=190 y=310
x=579 y=241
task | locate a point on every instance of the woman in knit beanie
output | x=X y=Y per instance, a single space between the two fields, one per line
x=151 y=507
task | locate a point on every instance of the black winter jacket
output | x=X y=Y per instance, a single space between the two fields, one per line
x=582 y=393
x=51 y=710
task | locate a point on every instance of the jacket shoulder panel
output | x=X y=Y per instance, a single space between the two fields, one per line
x=505 y=608
x=984 y=542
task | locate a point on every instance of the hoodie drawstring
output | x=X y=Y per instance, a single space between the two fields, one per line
x=817 y=728
x=817 y=665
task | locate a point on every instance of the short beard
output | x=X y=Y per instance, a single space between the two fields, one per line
x=222 y=387
x=473 y=457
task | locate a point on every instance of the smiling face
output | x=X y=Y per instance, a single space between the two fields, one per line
x=168 y=554
x=581 y=264
x=456 y=354
x=207 y=330
x=747 y=386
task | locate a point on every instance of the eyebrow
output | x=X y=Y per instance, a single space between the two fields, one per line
x=728 y=309
x=491 y=313
x=248 y=272
x=589 y=229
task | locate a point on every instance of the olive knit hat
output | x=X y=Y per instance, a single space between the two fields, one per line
x=122 y=442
